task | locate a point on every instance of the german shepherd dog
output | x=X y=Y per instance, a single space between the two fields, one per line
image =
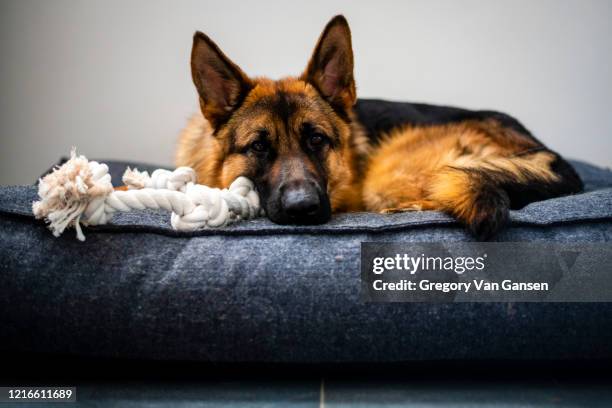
x=301 y=141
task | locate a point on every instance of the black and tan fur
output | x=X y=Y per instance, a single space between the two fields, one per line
x=311 y=151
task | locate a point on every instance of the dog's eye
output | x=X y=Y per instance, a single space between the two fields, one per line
x=316 y=140
x=260 y=146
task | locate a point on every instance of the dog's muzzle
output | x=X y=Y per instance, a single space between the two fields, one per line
x=299 y=202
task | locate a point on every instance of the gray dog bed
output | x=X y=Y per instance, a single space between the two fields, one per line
x=257 y=291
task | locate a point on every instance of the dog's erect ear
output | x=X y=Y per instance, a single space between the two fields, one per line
x=221 y=84
x=330 y=68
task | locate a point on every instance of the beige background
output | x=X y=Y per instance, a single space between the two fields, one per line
x=112 y=78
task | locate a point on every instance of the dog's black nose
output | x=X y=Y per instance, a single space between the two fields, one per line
x=300 y=200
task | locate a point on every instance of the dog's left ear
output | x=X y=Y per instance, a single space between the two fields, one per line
x=330 y=68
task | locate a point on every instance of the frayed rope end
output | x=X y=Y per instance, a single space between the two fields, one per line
x=66 y=192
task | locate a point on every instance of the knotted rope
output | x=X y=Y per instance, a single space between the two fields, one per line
x=80 y=191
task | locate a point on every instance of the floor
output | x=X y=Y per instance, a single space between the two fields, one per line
x=132 y=384
x=336 y=394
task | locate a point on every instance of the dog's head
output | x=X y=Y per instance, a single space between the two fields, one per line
x=293 y=136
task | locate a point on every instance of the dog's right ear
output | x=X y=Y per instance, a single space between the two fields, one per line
x=221 y=84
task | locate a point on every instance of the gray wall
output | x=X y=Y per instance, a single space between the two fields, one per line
x=112 y=78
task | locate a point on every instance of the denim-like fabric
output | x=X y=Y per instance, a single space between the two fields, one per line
x=258 y=291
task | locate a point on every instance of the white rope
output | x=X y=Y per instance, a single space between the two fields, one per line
x=81 y=191
x=160 y=179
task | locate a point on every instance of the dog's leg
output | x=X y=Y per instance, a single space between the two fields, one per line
x=483 y=209
x=478 y=194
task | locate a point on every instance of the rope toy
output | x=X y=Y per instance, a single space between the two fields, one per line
x=80 y=192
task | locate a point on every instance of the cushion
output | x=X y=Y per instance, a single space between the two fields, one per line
x=260 y=292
